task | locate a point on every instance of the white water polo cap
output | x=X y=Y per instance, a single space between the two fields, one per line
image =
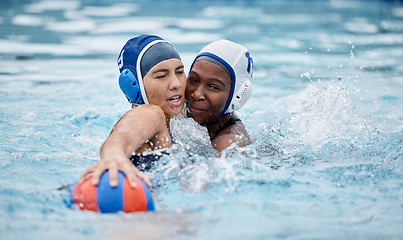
x=136 y=58
x=237 y=62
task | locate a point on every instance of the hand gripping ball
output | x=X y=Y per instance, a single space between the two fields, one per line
x=106 y=199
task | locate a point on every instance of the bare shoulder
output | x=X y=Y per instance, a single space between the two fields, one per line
x=141 y=117
x=147 y=113
x=233 y=134
x=143 y=125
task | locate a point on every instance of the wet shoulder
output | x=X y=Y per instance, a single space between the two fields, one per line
x=235 y=133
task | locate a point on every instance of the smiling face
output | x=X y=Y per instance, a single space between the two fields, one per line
x=207 y=91
x=165 y=86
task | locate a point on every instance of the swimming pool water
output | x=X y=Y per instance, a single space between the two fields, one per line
x=326 y=115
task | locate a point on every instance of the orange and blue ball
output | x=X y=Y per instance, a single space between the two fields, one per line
x=106 y=199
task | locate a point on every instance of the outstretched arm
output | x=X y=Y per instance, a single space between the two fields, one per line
x=139 y=125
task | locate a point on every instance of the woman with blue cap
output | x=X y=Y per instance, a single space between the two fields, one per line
x=153 y=80
x=219 y=83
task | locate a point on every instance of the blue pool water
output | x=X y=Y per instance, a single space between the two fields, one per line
x=326 y=114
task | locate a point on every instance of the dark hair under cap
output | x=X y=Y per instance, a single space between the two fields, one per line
x=155 y=54
x=213 y=60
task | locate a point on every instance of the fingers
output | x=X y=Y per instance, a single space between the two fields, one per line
x=113 y=175
x=130 y=175
x=143 y=177
x=85 y=173
x=146 y=180
x=97 y=174
x=98 y=169
x=126 y=167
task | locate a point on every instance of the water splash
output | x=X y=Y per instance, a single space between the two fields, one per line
x=191 y=136
x=323 y=121
x=319 y=123
x=193 y=164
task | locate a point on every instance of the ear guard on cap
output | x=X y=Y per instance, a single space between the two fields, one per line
x=240 y=97
x=129 y=85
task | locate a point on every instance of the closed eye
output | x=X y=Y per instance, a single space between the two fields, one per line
x=193 y=80
x=179 y=70
x=160 y=76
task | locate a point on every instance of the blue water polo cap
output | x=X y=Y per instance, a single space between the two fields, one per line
x=136 y=58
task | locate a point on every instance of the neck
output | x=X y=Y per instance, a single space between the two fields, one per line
x=216 y=125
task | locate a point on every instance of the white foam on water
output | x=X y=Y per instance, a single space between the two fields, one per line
x=361 y=27
x=392 y=25
x=368 y=39
x=397 y=11
x=102 y=12
x=12 y=47
x=114 y=43
x=230 y=11
x=320 y=114
x=381 y=57
x=74 y=26
x=284 y=19
x=382 y=39
x=50 y=5
x=191 y=37
x=201 y=23
x=345 y=4
x=133 y=25
x=26 y=20
x=117 y=10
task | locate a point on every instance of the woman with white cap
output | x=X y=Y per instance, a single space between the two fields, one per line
x=218 y=84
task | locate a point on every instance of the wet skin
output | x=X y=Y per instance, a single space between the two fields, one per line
x=143 y=127
x=207 y=91
x=165 y=86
